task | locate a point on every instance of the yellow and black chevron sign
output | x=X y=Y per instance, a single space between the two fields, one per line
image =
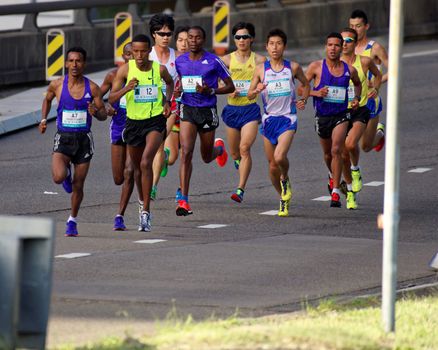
x=122 y=34
x=221 y=24
x=55 y=51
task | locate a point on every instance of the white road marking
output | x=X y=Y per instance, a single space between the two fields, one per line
x=374 y=183
x=419 y=170
x=72 y=255
x=48 y=192
x=322 y=199
x=421 y=53
x=150 y=241
x=212 y=226
x=270 y=212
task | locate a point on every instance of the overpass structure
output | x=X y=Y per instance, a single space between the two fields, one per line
x=306 y=22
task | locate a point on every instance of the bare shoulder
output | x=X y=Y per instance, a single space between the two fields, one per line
x=315 y=66
x=95 y=89
x=226 y=59
x=259 y=58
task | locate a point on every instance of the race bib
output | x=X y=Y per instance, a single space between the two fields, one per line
x=350 y=93
x=146 y=93
x=242 y=86
x=336 y=94
x=122 y=103
x=280 y=87
x=189 y=82
x=74 y=119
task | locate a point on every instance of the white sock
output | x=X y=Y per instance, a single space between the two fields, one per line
x=119 y=215
x=336 y=190
x=355 y=167
x=349 y=187
x=71 y=218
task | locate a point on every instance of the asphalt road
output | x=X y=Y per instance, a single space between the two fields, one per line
x=258 y=264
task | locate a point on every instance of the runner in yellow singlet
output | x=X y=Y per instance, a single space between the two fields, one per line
x=242 y=115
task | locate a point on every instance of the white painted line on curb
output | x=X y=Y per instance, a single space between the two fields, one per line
x=48 y=192
x=72 y=255
x=421 y=53
x=322 y=199
x=270 y=212
x=212 y=226
x=419 y=170
x=374 y=183
x=150 y=241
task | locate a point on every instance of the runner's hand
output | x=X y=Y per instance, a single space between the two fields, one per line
x=92 y=109
x=42 y=126
x=322 y=92
x=166 y=110
x=110 y=111
x=132 y=84
x=260 y=87
x=178 y=91
x=372 y=93
x=301 y=104
x=204 y=89
x=355 y=103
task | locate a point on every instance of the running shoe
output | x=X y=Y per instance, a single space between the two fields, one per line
x=284 y=208
x=71 y=229
x=119 y=224
x=154 y=191
x=343 y=187
x=351 y=200
x=178 y=195
x=356 y=184
x=286 y=190
x=238 y=195
x=330 y=184
x=183 y=208
x=145 y=222
x=222 y=158
x=381 y=143
x=67 y=183
x=336 y=200
x=140 y=210
x=166 y=162
x=237 y=164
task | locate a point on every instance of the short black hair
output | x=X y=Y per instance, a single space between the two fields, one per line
x=180 y=29
x=78 y=49
x=160 y=20
x=200 y=29
x=141 y=38
x=350 y=30
x=277 y=32
x=335 y=35
x=360 y=14
x=244 y=25
x=126 y=45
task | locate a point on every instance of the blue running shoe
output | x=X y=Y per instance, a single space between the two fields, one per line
x=237 y=164
x=71 y=229
x=67 y=183
x=178 y=195
x=238 y=195
x=119 y=224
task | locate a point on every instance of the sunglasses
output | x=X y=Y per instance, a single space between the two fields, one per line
x=348 y=40
x=168 y=34
x=244 y=37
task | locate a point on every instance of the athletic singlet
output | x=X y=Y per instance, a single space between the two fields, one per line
x=336 y=100
x=367 y=53
x=120 y=107
x=279 y=95
x=170 y=65
x=241 y=73
x=146 y=100
x=72 y=114
x=364 y=82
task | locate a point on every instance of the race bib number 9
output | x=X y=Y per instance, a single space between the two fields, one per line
x=280 y=87
x=336 y=94
x=242 y=86
x=74 y=119
x=146 y=93
x=189 y=82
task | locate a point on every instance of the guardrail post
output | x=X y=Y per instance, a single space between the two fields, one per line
x=30 y=23
x=81 y=18
x=133 y=10
x=182 y=8
x=26 y=246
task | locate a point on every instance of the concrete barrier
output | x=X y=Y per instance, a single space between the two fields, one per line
x=306 y=24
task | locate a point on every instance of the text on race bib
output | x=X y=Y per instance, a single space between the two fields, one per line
x=146 y=93
x=74 y=119
x=122 y=103
x=279 y=87
x=242 y=86
x=350 y=93
x=189 y=82
x=336 y=94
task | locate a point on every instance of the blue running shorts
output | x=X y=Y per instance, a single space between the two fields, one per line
x=237 y=116
x=272 y=127
x=375 y=106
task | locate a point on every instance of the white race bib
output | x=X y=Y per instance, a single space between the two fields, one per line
x=146 y=93
x=242 y=86
x=336 y=94
x=122 y=103
x=74 y=119
x=279 y=87
x=350 y=93
x=189 y=82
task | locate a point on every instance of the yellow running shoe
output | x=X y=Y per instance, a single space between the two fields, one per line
x=356 y=183
x=351 y=200
x=286 y=190
x=284 y=208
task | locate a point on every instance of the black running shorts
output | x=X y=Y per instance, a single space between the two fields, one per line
x=324 y=125
x=135 y=131
x=205 y=118
x=361 y=114
x=79 y=146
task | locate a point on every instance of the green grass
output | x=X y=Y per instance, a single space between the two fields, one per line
x=356 y=326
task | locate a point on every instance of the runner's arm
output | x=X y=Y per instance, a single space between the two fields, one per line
x=354 y=76
x=380 y=52
x=377 y=79
x=47 y=104
x=254 y=87
x=107 y=82
x=118 y=90
x=305 y=89
x=312 y=74
x=226 y=60
x=169 y=83
x=98 y=105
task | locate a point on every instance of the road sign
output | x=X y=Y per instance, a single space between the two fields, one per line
x=55 y=52
x=122 y=34
x=221 y=26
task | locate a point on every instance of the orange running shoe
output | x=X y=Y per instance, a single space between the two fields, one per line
x=222 y=158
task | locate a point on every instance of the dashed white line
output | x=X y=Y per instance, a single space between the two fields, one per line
x=422 y=53
x=419 y=170
x=374 y=183
x=72 y=255
x=150 y=241
x=322 y=199
x=48 y=192
x=212 y=226
x=270 y=212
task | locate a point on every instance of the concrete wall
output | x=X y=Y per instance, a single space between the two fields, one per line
x=23 y=54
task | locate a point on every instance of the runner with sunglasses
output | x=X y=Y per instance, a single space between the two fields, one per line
x=242 y=115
